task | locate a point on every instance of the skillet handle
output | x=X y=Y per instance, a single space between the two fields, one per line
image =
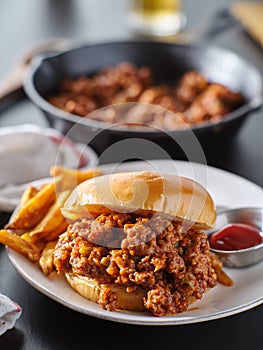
x=12 y=82
x=11 y=87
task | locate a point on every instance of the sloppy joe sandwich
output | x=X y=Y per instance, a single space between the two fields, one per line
x=136 y=241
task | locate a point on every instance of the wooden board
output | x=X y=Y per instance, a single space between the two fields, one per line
x=250 y=14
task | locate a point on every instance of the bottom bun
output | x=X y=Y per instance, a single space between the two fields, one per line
x=91 y=289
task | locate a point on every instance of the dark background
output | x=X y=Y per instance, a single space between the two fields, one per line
x=46 y=324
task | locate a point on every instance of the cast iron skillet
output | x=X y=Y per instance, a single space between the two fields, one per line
x=168 y=62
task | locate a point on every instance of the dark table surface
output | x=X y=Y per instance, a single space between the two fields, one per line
x=45 y=324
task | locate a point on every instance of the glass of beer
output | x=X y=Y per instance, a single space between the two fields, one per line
x=156 y=17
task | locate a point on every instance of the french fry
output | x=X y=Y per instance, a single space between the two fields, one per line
x=26 y=236
x=53 y=222
x=42 y=238
x=80 y=175
x=39 y=243
x=20 y=245
x=57 y=232
x=29 y=193
x=46 y=259
x=34 y=210
x=222 y=277
x=70 y=178
x=38 y=222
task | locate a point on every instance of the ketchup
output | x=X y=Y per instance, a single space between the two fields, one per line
x=235 y=237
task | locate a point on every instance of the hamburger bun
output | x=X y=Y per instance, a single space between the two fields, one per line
x=90 y=289
x=179 y=197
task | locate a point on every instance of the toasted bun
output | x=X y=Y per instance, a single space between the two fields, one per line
x=179 y=197
x=91 y=289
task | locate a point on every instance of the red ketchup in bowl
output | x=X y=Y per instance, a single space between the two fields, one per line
x=235 y=236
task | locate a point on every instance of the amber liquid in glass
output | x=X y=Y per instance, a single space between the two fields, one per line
x=156 y=17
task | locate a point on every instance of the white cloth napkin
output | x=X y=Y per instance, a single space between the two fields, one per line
x=26 y=154
x=9 y=313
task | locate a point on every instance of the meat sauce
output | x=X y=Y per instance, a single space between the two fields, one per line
x=172 y=265
x=193 y=99
x=235 y=236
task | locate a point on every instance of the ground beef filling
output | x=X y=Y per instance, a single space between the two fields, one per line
x=154 y=254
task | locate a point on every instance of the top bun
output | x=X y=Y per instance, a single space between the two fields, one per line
x=137 y=192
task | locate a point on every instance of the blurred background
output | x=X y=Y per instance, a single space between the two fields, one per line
x=26 y=23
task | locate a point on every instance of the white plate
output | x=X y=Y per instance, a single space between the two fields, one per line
x=227 y=190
